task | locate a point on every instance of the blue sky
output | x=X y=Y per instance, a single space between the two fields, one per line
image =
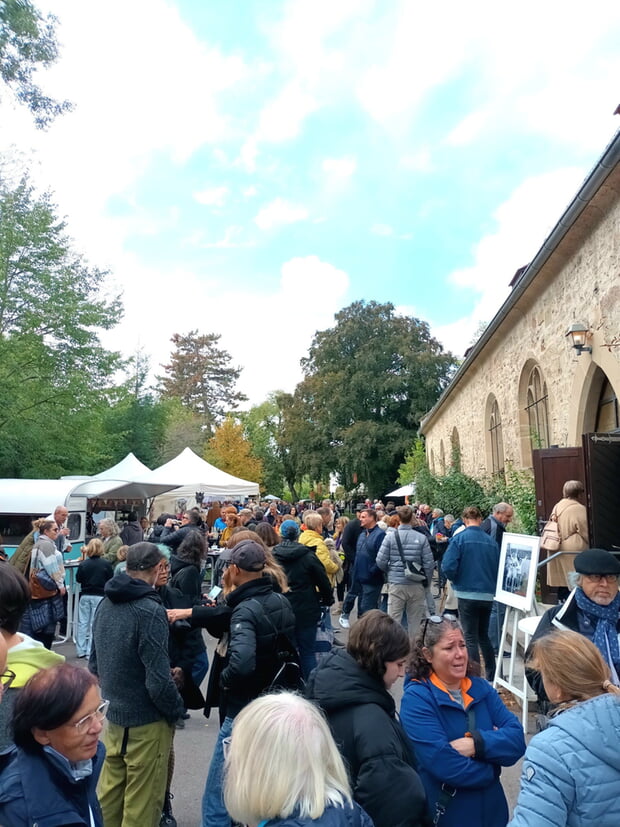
x=249 y=168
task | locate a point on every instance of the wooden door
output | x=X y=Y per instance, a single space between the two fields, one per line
x=602 y=463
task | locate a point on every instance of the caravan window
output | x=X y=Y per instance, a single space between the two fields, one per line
x=14 y=527
x=74 y=524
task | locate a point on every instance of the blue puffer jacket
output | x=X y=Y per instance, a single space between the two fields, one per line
x=38 y=789
x=432 y=719
x=471 y=563
x=332 y=817
x=571 y=771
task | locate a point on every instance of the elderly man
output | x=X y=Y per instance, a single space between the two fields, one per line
x=592 y=609
x=60 y=517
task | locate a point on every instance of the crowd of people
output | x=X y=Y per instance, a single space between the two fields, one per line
x=309 y=732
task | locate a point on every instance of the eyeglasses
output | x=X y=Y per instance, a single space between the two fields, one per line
x=84 y=724
x=435 y=619
x=597 y=578
x=7 y=678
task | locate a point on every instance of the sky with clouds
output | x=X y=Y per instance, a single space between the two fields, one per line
x=249 y=168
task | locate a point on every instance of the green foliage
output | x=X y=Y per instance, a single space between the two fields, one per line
x=200 y=376
x=53 y=369
x=368 y=381
x=262 y=426
x=28 y=42
x=183 y=430
x=517 y=488
x=414 y=462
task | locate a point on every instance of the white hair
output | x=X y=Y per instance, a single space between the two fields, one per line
x=283 y=761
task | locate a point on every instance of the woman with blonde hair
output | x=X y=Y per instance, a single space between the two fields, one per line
x=283 y=768
x=571 y=770
x=92 y=574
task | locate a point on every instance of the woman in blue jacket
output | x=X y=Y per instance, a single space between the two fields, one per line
x=50 y=776
x=462 y=732
x=283 y=769
x=571 y=771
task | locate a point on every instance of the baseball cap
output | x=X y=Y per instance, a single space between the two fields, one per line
x=248 y=555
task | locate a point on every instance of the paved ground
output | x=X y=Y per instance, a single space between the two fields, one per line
x=194 y=745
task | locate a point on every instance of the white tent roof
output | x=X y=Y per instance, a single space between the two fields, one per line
x=129 y=479
x=405 y=491
x=190 y=473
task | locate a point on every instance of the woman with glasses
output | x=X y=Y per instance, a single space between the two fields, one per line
x=25 y=656
x=592 y=609
x=50 y=775
x=45 y=612
x=462 y=732
x=353 y=687
x=571 y=771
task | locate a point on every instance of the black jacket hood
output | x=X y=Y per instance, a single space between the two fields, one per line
x=124 y=589
x=290 y=550
x=339 y=681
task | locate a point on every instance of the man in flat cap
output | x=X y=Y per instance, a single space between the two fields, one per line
x=130 y=656
x=592 y=609
x=259 y=618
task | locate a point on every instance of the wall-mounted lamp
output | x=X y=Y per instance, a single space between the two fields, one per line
x=578 y=333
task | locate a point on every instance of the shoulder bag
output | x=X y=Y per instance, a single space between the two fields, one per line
x=413 y=571
x=42 y=585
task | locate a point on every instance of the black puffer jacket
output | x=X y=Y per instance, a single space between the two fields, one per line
x=258 y=616
x=378 y=753
x=309 y=586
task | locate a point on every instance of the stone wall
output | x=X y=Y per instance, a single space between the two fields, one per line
x=579 y=282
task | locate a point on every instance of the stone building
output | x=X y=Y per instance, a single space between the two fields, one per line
x=523 y=385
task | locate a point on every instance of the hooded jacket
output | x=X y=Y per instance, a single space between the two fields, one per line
x=378 y=755
x=130 y=654
x=332 y=817
x=432 y=719
x=571 y=770
x=185 y=577
x=315 y=541
x=309 y=586
x=37 y=788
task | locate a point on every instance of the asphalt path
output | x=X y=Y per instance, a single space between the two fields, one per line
x=194 y=745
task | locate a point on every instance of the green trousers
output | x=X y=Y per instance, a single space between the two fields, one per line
x=133 y=779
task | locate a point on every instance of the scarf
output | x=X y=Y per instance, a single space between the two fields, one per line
x=605 y=632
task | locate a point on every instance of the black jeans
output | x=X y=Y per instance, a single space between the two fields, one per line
x=474 y=616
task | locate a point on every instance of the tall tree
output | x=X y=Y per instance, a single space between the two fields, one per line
x=368 y=381
x=27 y=43
x=200 y=375
x=53 y=368
x=230 y=451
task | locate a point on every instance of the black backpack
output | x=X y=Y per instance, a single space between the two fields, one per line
x=287 y=674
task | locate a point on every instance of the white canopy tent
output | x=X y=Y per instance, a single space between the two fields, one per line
x=129 y=479
x=192 y=474
x=404 y=491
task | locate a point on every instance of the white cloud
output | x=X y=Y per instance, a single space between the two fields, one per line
x=282 y=118
x=250 y=192
x=339 y=167
x=231 y=239
x=420 y=161
x=382 y=229
x=467 y=130
x=212 y=197
x=279 y=212
x=522 y=223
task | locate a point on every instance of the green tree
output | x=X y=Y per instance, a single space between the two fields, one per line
x=53 y=369
x=368 y=381
x=415 y=460
x=27 y=43
x=230 y=451
x=135 y=420
x=183 y=430
x=200 y=375
x=262 y=426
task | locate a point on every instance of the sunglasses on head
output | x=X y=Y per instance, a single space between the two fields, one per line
x=435 y=619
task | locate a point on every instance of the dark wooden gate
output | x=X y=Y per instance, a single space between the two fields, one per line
x=552 y=468
x=601 y=454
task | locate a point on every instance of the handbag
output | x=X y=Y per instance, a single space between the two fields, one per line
x=413 y=571
x=550 y=538
x=40 y=612
x=42 y=585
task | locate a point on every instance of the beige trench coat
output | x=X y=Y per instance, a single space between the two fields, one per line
x=573 y=527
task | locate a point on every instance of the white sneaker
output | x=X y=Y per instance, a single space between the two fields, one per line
x=344 y=622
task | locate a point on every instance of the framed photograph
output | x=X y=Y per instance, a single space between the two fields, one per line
x=516 y=577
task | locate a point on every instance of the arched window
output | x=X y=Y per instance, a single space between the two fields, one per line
x=607 y=417
x=432 y=461
x=495 y=440
x=442 y=458
x=536 y=407
x=456 y=450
